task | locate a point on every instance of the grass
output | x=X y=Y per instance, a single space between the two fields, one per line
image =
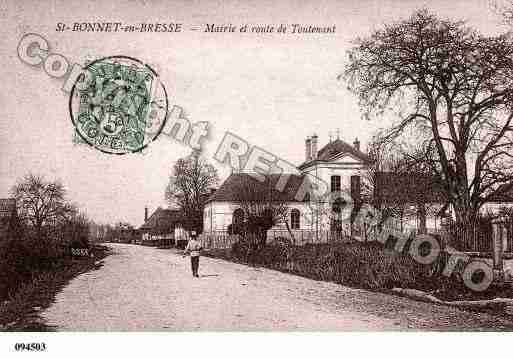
x=21 y=311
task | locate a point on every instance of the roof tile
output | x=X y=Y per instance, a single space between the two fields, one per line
x=337 y=147
x=245 y=187
x=162 y=219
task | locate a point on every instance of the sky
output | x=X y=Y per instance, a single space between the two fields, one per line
x=273 y=90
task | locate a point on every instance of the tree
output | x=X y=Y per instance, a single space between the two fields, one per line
x=384 y=158
x=97 y=231
x=189 y=187
x=41 y=203
x=111 y=233
x=420 y=162
x=262 y=206
x=453 y=83
x=504 y=8
x=319 y=214
x=75 y=230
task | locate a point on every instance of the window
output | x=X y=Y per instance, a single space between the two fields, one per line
x=295 y=222
x=335 y=183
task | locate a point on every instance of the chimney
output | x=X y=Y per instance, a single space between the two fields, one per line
x=145 y=214
x=308 y=149
x=314 y=147
x=356 y=144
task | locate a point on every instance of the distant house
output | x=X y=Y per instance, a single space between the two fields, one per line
x=162 y=227
x=127 y=234
x=502 y=198
x=424 y=196
x=418 y=201
x=8 y=215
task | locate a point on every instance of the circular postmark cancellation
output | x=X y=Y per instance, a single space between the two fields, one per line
x=119 y=105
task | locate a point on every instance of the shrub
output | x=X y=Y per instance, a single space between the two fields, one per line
x=247 y=249
x=364 y=265
x=22 y=257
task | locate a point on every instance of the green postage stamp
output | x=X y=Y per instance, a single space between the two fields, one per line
x=118 y=106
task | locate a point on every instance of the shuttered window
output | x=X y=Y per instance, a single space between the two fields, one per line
x=335 y=183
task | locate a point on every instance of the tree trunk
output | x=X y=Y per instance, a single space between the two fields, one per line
x=466 y=226
x=465 y=213
x=290 y=232
x=421 y=212
x=262 y=234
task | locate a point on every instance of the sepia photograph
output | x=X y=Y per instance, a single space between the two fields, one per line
x=174 y=169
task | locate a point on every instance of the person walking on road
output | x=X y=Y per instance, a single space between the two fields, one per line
x=193 y=248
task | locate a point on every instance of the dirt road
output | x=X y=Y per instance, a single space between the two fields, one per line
x=144 y=288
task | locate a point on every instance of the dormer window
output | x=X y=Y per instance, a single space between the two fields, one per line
x=335 y=183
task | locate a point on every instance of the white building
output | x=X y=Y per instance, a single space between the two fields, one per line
x=415 y=202
x=335 y=168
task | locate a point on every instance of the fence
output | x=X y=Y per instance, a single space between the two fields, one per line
x=469 y=238
x=303 y=237
x=218 y=240
x=478 y=236
x=149 y=239
x=224 y=240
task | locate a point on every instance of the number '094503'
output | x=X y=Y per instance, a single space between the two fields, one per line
x=32 y=347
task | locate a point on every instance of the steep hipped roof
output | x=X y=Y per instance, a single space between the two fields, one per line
x=7 y=207
x=162 y=219
x=244 y=187
x=407 y=188
x=334 y=148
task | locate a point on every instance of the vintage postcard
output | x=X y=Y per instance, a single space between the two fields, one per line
x=262 y=166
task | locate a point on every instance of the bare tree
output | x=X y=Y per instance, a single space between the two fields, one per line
x=456 y=84
x=383 y=159
x=75 y=230
x=318 y=214
x=262 y=205
x=401 y=183
x=503 y=8
x=420 y=162
x=41 y=203
x=189 y=188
